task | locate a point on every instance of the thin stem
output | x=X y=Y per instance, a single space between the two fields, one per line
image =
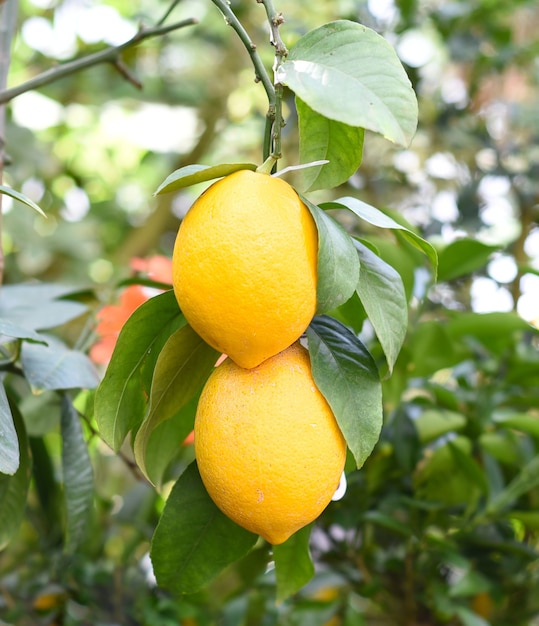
x=109 y=55
x=260 y=70
x=275 y=20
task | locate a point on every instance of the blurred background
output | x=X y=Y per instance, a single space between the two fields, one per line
x=412 y=541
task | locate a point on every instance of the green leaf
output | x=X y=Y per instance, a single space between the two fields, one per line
x=348 y=73
x=9 y=443
x=293 y=564
x=434 y=423
x=120 y=402
x=183 y=366
x=18 y=305
x=14 y=489
x=463 y=257
x=164 y=441
x=20 y=197
x=469 y=618
x=524 y=481
x=519 y=421
x=488 y=327
x=431 y=349
x=338 y=263
x=375 y=217
x=347 y=376
x=388 y=522
x=55 y=366
x=194 y=540
x=381 y=291
x=77 y=476
x=193 y=174
x=323 y=139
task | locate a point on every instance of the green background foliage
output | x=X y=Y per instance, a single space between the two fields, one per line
x=440 y=523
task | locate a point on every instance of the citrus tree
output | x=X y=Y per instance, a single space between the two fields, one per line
x=436 y=405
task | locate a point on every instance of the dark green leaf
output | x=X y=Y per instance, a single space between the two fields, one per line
x=348 y=73
x=77 y=476
x=338 y=262
x=20 y=197
x=193 y=174
x=463 y=257
x=469 y=467
x=347 y=376
x=323 y=139
x=375 y=217
x=14 y=489
x=381 y=291
x=183 y=366
x=293 y=564
x=194 y=540
x=387 y=521
x=9 y=443
x=120 y=402
x=55 y=366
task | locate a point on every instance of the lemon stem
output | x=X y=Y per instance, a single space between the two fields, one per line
x=267 y=166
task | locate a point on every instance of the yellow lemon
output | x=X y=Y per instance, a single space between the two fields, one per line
x=245 y=266
x=268 y=447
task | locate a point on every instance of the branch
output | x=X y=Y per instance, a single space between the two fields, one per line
x=109 y=55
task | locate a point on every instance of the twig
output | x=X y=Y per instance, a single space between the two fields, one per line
x=275 y=20
x=109 y=55
x=260 y=71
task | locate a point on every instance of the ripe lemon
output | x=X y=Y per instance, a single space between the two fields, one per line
x=268 y=447
x=245 y=266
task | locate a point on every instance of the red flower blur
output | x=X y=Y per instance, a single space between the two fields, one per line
x=112 y=317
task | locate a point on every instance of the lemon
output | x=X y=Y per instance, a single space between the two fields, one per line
x=268 y=447
x=245 y=266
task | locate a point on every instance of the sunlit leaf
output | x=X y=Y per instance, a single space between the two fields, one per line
x=293 y=563
x=433 y=423
x=193 y=174
x=375 y=217
x=120 y=402
x=381 y=291
x=11 y=329
x=14 y=489
x=348 y=73
x=77 y=476
x=9 y=443
x=18 y=305
x=338 y=262
x=321 y=138
x=183 y=366
x=347 y=376
x=20 y=197
x=194 y=540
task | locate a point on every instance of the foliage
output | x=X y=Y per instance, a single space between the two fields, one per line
x=439 y=523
